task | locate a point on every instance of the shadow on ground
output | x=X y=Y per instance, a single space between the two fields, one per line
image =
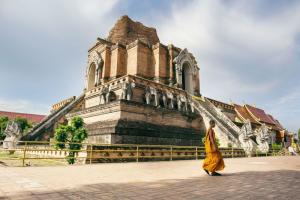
x=283 y=184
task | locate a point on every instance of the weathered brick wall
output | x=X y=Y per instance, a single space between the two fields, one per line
x=145 y=68
x=126 y=31
x=132 y=59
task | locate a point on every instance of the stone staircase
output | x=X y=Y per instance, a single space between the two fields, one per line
x=37 y=131
x=207 y=109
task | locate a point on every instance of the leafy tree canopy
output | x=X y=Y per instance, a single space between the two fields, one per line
x=3 y=122
x=23 y=123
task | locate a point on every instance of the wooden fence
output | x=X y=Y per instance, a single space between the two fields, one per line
x=101 y=153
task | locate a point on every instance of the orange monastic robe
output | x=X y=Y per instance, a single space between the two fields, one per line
x=213 y=160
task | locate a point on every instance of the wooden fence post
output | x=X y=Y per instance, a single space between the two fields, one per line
x=196 y=153
x=232 y=152
x=24 y=154
x=91 y=154
x=171 y=153
x=137 y=153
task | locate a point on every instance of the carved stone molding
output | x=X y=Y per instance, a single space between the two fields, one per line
x=185 y=56
x=95 y=58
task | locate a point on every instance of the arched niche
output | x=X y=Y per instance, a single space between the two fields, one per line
x=187 y=78
x=185 y=70
x=91 y=76
x=94 y=72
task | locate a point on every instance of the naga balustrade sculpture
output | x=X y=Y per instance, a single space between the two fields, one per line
x=262 y=138
x=245 y=135
x=13 y=133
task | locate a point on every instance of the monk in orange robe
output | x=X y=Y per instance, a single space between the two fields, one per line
x=213 y=161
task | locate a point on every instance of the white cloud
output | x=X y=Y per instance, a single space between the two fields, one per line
x=213 y=27
x=233 y=83
x=43 y=49
x=213 y=30
x=243 y=55
x=286 y=107
x=56 y=17
x=22 y=105
x=93 y=9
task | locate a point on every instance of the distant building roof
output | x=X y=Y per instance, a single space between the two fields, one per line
x=276 y=122
x=255 y=115
x=259 y=114
x=243 y=113
x=33 y=118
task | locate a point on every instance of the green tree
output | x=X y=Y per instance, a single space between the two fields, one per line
x=23 y=123
x=3 y=122
x=73 y=134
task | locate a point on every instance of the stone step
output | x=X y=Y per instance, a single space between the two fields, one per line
x=223 y=122
x=51 y=119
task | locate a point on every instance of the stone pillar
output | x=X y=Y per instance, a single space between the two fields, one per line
x=171 y=72
x=178 y=75
x=106 y=56
x=99 y=69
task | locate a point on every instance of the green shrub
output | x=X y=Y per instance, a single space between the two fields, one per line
x=3 y=122
x=24 y=124
x=73 y=134
x=276 y=146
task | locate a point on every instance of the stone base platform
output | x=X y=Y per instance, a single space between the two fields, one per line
x=128 y=122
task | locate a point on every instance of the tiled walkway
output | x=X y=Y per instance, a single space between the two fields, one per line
x=243 y=178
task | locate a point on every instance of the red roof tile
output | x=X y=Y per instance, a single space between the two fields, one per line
x=260 y=115
x=33 y=118
x=276 y=122
x=242 y=112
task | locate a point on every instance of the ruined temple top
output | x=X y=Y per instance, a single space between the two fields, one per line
x=126 y=31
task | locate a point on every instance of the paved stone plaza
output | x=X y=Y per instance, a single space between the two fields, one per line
x=244 y=178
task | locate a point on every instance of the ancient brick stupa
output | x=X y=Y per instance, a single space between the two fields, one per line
x=140 y=91
x=133 y=81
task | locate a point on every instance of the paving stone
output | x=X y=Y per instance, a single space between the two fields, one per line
x=278 y=179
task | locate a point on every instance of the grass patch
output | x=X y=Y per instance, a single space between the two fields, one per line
x=15 y=160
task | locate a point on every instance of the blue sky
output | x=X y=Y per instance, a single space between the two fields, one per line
x=247 y=52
